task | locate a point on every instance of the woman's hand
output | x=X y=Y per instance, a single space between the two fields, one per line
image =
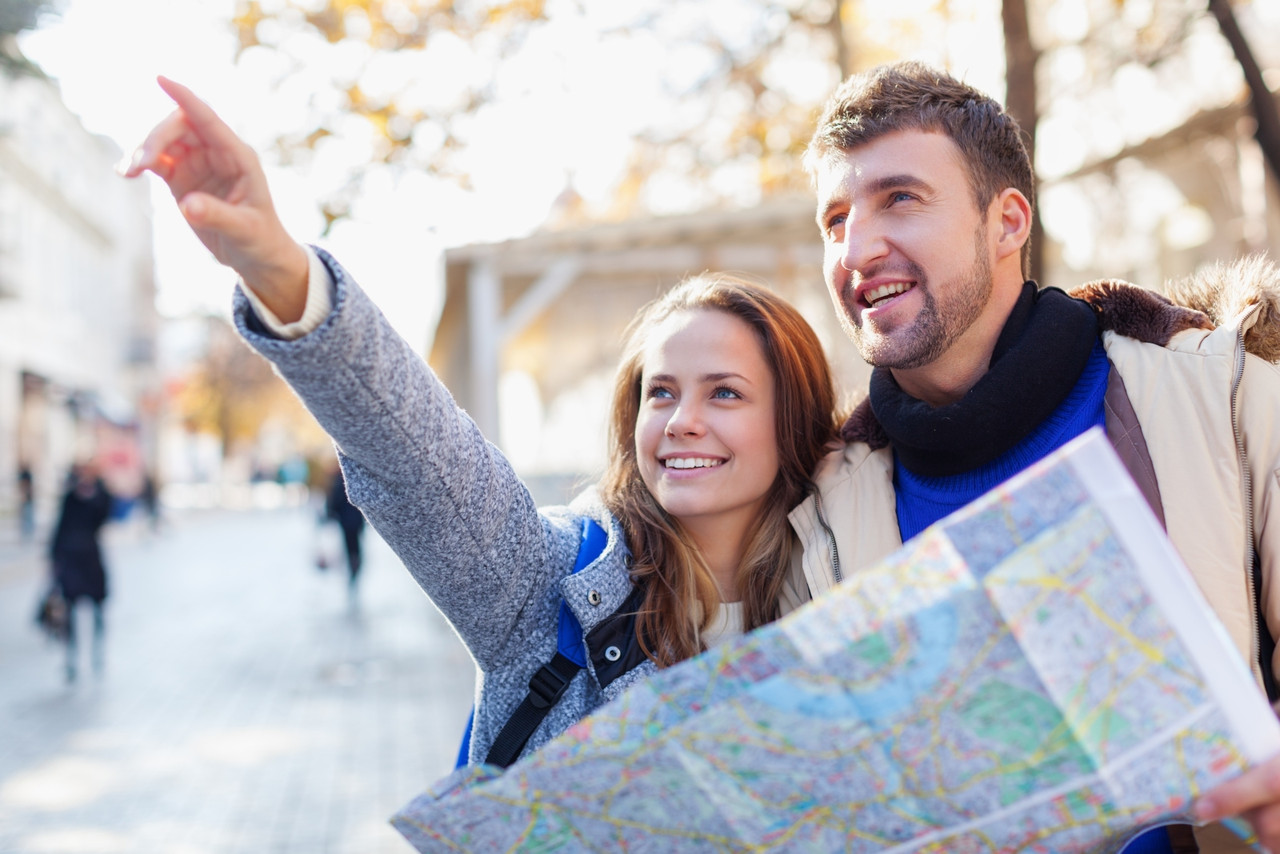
x=222 y=193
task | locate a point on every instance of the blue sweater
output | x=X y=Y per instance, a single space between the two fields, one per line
x=921 y=501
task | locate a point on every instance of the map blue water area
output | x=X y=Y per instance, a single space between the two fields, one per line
x=933 y=632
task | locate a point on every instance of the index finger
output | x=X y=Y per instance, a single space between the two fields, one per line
x=200 y=116
x=193 y=116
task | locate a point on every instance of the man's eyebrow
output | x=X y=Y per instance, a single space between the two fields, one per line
x=905 y=181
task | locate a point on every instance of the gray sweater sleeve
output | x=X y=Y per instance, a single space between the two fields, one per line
x=443 y=498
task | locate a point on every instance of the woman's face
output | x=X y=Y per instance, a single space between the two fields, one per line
x=705 y=435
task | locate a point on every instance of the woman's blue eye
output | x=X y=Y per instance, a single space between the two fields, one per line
x=725 y=393
x=659 y=391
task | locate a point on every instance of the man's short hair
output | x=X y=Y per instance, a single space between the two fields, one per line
x=913 y=96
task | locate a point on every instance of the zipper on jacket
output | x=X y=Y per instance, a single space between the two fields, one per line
x=831 y=537
x=1246 y=479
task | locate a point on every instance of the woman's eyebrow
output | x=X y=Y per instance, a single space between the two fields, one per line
x=716 y=377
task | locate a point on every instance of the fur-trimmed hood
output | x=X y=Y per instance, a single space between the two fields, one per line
x=1225 y=291
x=1216 y=295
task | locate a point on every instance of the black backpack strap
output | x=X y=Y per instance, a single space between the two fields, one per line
x=545 y=690
x=548 y=685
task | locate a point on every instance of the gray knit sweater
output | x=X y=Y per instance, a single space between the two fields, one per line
x=451 y=507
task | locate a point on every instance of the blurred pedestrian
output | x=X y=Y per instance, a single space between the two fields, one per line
x=149 y=498
x=76 y=556
x=26 y=503
x=349 y=518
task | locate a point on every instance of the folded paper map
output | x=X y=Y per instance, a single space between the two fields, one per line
x=1036 y=672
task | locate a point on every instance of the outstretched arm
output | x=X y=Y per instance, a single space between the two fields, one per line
x=221 y=191
x=445 y=499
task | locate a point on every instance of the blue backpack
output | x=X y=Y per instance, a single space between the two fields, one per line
x=548 y=685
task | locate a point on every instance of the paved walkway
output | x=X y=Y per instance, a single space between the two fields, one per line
x=244 y=707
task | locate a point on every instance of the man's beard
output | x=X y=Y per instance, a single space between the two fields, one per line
x=948 y=311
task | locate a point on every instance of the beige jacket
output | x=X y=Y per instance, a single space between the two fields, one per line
x=1182 y=387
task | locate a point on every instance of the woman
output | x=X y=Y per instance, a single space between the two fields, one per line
x=76 y=555
x=723 y=407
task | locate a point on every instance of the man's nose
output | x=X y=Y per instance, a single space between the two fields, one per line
x=864 y=244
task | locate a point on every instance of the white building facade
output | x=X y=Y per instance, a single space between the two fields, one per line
x=77 y=309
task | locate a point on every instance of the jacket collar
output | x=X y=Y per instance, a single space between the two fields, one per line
x=603 y=585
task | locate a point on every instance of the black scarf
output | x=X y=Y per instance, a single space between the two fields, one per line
x=1047 y=341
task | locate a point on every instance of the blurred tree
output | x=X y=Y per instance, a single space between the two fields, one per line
x=1120 y=85
x=1261 y=100
x=418 y=80
x=746 y=79
x=1022 y=102
x=398 y=68
x=232 y=392
x=16 y=16
x=1092 y=68
x=746 y=76
x=19 y=15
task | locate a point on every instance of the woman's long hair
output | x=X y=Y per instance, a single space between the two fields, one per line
x=680 y=594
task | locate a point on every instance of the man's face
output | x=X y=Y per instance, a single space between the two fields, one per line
x=907 y=254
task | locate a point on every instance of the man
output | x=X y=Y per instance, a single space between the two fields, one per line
x=925 y=194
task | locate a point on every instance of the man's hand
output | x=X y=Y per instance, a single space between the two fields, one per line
x=222 y=193
x=1254 y=795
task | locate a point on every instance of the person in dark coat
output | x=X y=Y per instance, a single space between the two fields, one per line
x=26 y=502
x=76 y=555
x=349 y=518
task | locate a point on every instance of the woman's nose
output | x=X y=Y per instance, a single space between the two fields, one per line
x=685 y=421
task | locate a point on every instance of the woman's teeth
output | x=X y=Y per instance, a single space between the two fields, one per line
x=690 y=463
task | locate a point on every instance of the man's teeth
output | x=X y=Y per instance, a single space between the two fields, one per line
x=691 y=463
x=883 y=292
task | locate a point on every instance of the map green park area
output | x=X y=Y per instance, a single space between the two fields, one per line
x=1036 y=673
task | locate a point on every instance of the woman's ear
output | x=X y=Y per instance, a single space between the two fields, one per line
x=1014 y=212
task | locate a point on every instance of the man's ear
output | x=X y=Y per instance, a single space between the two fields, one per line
x=1013 y=215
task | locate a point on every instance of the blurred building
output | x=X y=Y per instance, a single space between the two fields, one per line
x=77 y=310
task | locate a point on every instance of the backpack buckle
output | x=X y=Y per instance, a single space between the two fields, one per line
x=548 y=685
